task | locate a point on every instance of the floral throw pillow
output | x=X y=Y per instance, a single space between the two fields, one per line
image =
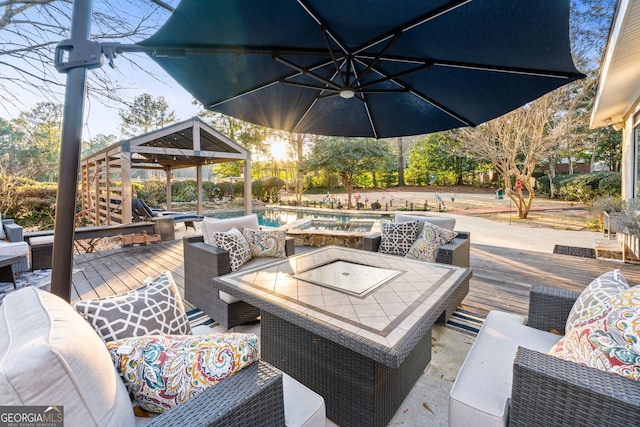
x=609 y=340
x=162 y=371
x=266 y=243
x=237 y=246
x=594 y=299
x=397 y=237
x=426 y=246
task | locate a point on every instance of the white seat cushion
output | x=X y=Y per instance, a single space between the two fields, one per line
x=14 y=248
x=443 y=222
x=49 y=355
x=481 y=393
x=41 y=240
x=303 y=407
x=210 y=226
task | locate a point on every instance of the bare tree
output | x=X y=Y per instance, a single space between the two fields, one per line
x=31 y=29
x=516 y=142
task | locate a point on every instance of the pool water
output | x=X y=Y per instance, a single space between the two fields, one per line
x=279 y=217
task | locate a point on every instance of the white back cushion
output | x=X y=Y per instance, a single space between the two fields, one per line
x=49 y=355
x=210 y=226
x=443 y=222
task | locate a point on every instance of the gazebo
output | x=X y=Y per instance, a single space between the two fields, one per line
x=106 y=189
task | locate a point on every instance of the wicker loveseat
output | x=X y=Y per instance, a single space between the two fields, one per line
x=203 y=262
x=455 y=252
x=49 y=355
x=509 y=378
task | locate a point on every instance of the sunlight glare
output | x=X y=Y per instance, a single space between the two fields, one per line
x=279 y=150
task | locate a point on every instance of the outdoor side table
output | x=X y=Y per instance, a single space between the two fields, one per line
x=6 y=269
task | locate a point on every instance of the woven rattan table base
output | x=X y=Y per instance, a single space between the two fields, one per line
x=357 y=391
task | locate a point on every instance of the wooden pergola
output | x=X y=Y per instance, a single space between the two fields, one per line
x=106 y=175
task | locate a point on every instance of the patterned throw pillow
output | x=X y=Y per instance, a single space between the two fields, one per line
x=155 y=308
x=162 y=371
x=397 y=237
x=237 y=246
x=594 y=299
x=609 y=340
x=431 y=239
x=266 y=243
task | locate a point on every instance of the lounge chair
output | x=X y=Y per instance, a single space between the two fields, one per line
x=142 y=212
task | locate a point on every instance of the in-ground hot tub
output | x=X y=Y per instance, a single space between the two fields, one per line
x=325 y=232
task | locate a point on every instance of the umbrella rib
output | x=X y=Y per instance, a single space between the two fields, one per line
x=309 y=86
x=333 y=56
x=363 y=98
x=425 y=98
x=394 y=76
x=390 y=43
x=265 y=85
x=316 y=17
x=306 y=72
x=312 y=104
x=452 y=5
x=508 y=70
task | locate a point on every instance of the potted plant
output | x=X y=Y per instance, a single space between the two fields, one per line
x=608 y=208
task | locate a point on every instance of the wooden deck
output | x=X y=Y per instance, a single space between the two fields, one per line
x=501 y=278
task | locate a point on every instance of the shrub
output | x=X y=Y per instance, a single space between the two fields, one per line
x=226 y=190
x=238 y=189
x=581 y=187
x=611 y=185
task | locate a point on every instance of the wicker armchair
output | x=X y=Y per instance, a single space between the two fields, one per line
x=508 y=377
x=13 y=233
x=202 y=263
x=455 y=252
x=553 y=392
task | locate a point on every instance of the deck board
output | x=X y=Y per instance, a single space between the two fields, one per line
x=501 y=278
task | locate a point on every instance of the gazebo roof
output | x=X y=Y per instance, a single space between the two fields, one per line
x=188 y=143
x=106 y=175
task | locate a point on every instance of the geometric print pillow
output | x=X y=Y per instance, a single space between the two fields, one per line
x=397 y=237
x=266 y=243
x=426 y=246
x=162 y=371
x=609 y=341
x=234 y=242
x=155 y=308
x=594 y=299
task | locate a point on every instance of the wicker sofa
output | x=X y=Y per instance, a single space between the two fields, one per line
x=12 y=243
x=455 y=252
x=203 y=262
x=508 y=377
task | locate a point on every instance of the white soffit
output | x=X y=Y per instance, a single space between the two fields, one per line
x=619 y=85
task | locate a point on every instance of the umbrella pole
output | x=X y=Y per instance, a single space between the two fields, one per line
x=70 y=158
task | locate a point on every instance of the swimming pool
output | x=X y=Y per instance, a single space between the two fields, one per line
x=279 y=217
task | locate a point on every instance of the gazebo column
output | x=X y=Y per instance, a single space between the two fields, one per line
x=199 y=188
x=247 y=185
x=167 y=171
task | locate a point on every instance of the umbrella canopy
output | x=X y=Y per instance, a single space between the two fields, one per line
x=366 y=68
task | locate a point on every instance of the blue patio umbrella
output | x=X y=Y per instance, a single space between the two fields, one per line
x=366 y=68
x=374 y=68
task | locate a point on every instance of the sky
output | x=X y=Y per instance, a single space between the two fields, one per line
x=99 y=118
